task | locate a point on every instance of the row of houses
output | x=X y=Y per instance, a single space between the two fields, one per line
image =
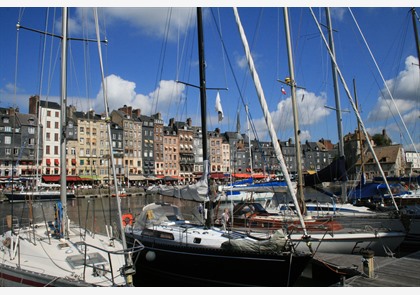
x=144 y=147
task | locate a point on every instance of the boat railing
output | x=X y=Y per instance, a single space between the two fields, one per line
x=98 y=264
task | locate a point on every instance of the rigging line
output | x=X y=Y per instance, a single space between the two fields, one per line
x=236 y=82
x=127 y=258
x=43 y=54
x=223 y=56
x=86 y=58
x=383 y=79
x=50 y=63
x=359 y=119
x=228 y=60
x=162 y=58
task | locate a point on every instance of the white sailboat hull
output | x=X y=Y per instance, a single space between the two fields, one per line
x=382 y=243
x=33 y=257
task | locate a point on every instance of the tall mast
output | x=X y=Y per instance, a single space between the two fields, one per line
x=203 y=103
x=268 y=119
x=337 y=104
x=63 y=180
x=292 y=85
x=416 y=34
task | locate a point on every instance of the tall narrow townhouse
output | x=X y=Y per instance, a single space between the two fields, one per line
x=50 y=119
x=158 y=144
x=131 y=165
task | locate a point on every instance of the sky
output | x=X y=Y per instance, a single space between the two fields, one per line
x=151 y=62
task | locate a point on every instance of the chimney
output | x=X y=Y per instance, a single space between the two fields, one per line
x=11 y=111
x=137 y=112
x=33 y=104
x=171 y=122
x=189 y=122
x=71 y=110
x=128 y=110
x=91 y=113
x=217 y=130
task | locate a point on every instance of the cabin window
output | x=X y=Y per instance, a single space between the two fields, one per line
x=197 y=241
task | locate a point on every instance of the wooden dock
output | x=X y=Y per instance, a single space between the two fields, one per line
x=396 y=272
x=361 y=271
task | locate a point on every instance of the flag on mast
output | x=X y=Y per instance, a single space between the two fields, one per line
x=283 y=91
x=219 y=109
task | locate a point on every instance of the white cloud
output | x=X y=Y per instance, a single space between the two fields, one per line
x=121 y=92
x=311 y=110
x=405 y=92
x=153 y=21
x=337 y=13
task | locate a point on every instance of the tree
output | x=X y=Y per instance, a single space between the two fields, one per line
x=381 y=140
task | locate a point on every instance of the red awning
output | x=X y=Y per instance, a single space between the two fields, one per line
x=217 y=175
x=56 y=178
x=48 y=162
x=241 y=175
x=73 y=161
x=258 y=176
x=51 y=178
x=56 y=162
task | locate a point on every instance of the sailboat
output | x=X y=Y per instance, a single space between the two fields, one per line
x=55 y=251
x=181 y=253
x=333 y=239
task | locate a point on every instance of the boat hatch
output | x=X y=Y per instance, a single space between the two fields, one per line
x=197 y=241
x=63 y=245
x=93 y=259
x=157 y=234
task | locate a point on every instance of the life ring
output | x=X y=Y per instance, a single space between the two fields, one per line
x=127 y=219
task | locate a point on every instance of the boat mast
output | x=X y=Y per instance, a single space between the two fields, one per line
x=268 y=119
x=416 y=34
x=337 y=104
x=292 y=85
x=128 y=268
x=203 y=104
x=359 y=119
x=63 y=180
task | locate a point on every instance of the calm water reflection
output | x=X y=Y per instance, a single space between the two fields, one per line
x=94 y=213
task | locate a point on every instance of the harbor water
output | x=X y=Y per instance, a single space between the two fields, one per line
x=95 y=213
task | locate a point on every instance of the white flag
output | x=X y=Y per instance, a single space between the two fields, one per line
x=219 y=109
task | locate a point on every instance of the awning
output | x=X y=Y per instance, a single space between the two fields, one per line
x=56 y=178
x=218 y=175
x=73 y=161
x=48 y=162
x=56 y=162
x=241 y=175
x=89 y=177
x=136 y=177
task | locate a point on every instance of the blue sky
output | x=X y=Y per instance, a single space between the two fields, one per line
x=150 y=48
